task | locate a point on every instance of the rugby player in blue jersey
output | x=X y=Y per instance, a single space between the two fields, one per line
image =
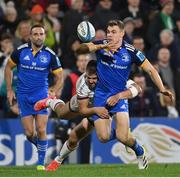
x=34 y=61
x=115 y=57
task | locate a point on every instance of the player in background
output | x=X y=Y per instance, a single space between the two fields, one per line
x=80 y=104
x=34 y=61
x=115 y=57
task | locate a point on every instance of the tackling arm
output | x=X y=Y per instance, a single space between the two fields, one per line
x=86 y=111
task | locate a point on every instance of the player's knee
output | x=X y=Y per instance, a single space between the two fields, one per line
x=41 y=130
x=73 y=139
x=103 y=138
x=29 y=133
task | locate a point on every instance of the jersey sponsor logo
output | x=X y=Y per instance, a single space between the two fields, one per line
x=140 y=55
x=125 y=57
x=114 y=65
x=43 y=58
x=33 y=67
x=27 y=58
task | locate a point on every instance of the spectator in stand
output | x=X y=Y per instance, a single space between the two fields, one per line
x=52 y=17
x=68 y=32
x=165 y=68
x=100 y=34
x=177 y=73
x=167 y=41
x=70 y=83
x=10 y=21
x=103 y=14
x=138 y=43
x=129 y=29
x=146 y=103
x=37 y=17
x=139 y=14
x=161 y=20
x=6 y=48
x=22 y=33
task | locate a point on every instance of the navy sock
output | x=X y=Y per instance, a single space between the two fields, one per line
x=138 y=149
x=42 y=148
x=33 y=140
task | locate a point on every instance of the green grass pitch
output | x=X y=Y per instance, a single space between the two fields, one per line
x=103 y=170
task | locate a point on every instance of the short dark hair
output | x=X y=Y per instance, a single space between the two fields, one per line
x=37 y=26
x=91 y=67
x=116 y=22
x=6 y=36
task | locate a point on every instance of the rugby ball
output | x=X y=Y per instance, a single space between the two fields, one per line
x=86 y=31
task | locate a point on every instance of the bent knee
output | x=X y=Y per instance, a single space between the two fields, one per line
x=29 y=133
x=73 y=137
x=103 y=138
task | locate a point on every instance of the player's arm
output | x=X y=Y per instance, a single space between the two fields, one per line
x=86 y=111
x=55 y=89
x=8 y=78
x=147 y=67
x=132 y=91
x=90 y=47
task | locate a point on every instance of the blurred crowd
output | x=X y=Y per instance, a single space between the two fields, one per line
x=152 y=26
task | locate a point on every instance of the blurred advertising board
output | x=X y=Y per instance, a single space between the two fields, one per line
x=160 y=137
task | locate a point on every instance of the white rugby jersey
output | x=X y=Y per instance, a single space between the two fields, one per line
x=83 y=92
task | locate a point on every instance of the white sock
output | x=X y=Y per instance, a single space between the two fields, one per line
x=64 y=152
x=53 y=103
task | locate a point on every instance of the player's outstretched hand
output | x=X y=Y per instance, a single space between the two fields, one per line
x=112 y=100
x=169 y=94
x=102 y=112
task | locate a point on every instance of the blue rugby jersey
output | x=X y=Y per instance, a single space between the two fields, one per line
x=32 y=69
x=114 y=68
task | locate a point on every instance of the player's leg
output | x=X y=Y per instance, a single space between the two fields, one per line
x=122 y=134
x=83 y=129
x=66 y=112
x=42 y=142
x=103 y=129
x=58 y=106
x=29 y=130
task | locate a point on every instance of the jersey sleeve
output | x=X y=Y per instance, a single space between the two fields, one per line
x=15 y=56
x=137 y=57
x=82 y=90
x=55 y=63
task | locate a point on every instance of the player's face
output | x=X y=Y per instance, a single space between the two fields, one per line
x=114 y=34
x=37 y=36
x=91 y=80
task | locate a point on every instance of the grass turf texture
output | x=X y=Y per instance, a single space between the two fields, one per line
x=105 y=170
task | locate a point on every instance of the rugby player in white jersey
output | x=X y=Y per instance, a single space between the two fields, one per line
x=80 y=105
